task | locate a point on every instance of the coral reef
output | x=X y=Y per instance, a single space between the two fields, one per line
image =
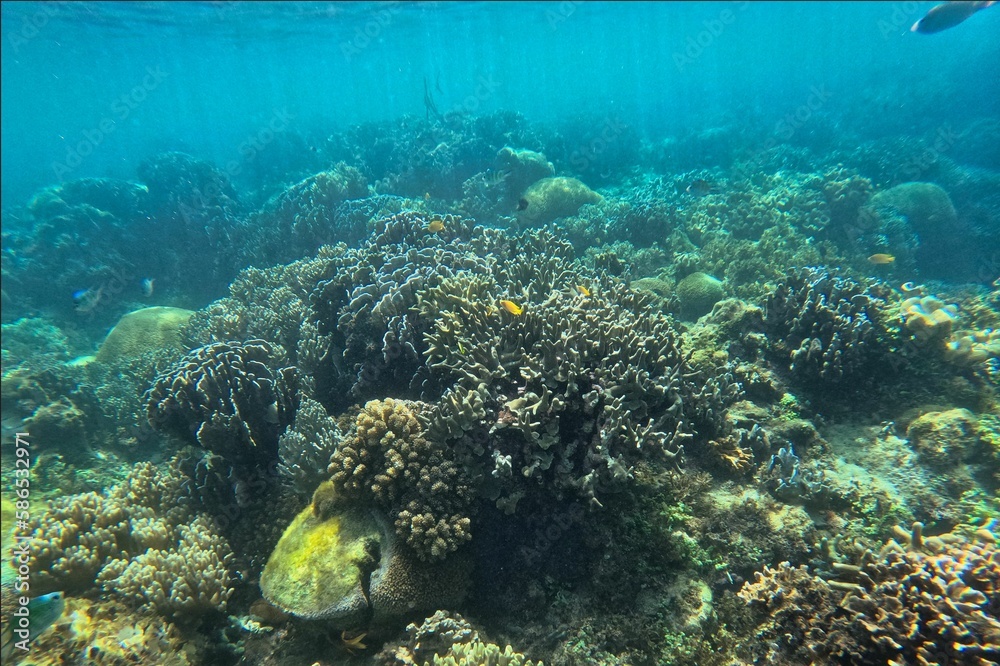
x=342 y=562
x=139 y=541
x=386 y=460
x=932 y=603
x=227 y=398
x=551 y=198
x=829 y=327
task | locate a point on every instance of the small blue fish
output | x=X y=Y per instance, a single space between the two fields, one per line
x=147 y=287
x=43 y=611
x=86 y=300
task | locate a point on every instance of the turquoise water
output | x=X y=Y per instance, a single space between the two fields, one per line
x=404 y=333
x=225 y=69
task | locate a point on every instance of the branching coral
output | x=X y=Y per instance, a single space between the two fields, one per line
x=387 y=460
x=228 y=398
x=828 y=326
x=140 y=541
x=305 y=448
x=934 y=602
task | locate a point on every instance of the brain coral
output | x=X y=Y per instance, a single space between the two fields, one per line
x=149 y=329
x=552 y=198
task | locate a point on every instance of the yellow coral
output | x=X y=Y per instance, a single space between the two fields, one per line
x=928 y=318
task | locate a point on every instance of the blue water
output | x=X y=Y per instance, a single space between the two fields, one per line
x=233 y=229
x=206 y=76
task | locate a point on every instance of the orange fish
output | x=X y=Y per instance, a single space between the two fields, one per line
x=583 y=290
x=512 y=307
x=881 y=258
x=436 y=225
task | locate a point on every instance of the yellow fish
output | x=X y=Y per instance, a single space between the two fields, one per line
x=583 y=290
x=881 y=258
x=512 y=307
x=436 y=225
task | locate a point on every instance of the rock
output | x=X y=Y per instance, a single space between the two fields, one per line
x=944 y=439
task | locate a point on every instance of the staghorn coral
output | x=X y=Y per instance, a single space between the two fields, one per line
x=227 y=398
x=828 y=327
x=934 y=602
x=387 y=460
x=579 y=388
